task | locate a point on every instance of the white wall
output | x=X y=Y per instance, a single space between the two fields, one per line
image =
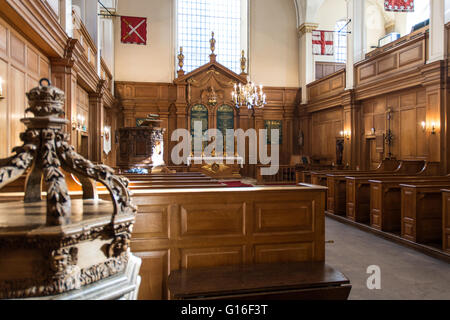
x=447 y=11
x=328 y=14
x=155 y=61
x=273 y=57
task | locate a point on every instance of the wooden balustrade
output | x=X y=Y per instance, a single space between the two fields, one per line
x=82 y=35
x=286 y=174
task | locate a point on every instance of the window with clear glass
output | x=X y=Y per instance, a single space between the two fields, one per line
x=420 y=14
x=340 y=47
x=196 y=19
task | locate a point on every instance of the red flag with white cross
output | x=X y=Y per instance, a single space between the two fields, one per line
x=134 y=30
x=399 y=5
x=323 y=42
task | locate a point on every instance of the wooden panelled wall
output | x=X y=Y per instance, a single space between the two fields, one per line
x=396 y=78
x=172 y=101
x=324 y=69
x=33 y=45
x=21 y=67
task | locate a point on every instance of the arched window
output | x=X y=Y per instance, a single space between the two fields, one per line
x=225 y=121
x=340 y=42
x=196 y=19
x=199 y=113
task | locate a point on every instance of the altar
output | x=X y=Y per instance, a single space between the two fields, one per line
x=217 y=167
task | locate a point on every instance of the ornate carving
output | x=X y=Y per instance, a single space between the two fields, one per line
x=212 y=43
x=77 y=278
x=46 y=150
x=243 y=63
x=45 y=101
x=58 y=200
x=181 y=59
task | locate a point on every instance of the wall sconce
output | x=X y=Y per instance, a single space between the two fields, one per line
x=424 y=125
x=372 y=131
x=347 y=134
x=341 y=134
x=433 y=128
x=79 y=124
x=1 y=89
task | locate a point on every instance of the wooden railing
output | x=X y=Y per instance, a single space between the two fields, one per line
x=394 y=44
x=404 y=54
x=106 y=75
x=285 y=174
x=326 y=87
x=82 y=35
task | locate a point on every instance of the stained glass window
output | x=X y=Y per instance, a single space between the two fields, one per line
x=196 y=19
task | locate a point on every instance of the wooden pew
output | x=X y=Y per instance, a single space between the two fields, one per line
x=159 y=175
x=337 y=184
x=195 y=228
x=358 y=187
x=422 y=212
x=385 y=207
x=446 y=220
x=320 y=177
x=304 y=175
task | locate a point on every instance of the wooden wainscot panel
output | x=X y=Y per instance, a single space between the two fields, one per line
x=146 y=92
x=411 y=55
x=211 y=257
x=389 y=63
x=21 y=65
x=154 y=272
x=367 y=71
x=446 y=220
x=37 y=21
x=152 y=222
x=284 y=253
x=212 y=219
x=324 y=88
x=293 y=217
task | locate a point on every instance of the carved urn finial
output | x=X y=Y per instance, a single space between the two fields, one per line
x=243 y=63
x=181 y=62
x=212 y=42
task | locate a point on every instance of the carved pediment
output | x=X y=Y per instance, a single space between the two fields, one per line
x=211 y=69
x=210 y=85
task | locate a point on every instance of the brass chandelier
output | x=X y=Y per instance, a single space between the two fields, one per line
x=249 y=95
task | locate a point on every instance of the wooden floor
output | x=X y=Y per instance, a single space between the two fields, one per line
x=405 y=273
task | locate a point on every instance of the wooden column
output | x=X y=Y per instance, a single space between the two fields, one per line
x=437 y=112
x=164 y=117
x=352 y=123
x=304 y=126
x=288 y=132
x=96 y=122
x=64 y=77
x=244 y=124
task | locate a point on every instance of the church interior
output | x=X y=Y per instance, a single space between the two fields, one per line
x=225 y=149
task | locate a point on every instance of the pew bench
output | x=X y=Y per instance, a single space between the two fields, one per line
x=446 y=220
x=358 y=192
x=422 y=213
x=283 y=281
x=385 y=207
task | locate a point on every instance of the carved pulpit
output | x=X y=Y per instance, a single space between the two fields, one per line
x=63 y=247
x=137 y=144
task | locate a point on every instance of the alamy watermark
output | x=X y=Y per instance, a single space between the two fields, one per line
x=374 y=281
x=215 y=152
